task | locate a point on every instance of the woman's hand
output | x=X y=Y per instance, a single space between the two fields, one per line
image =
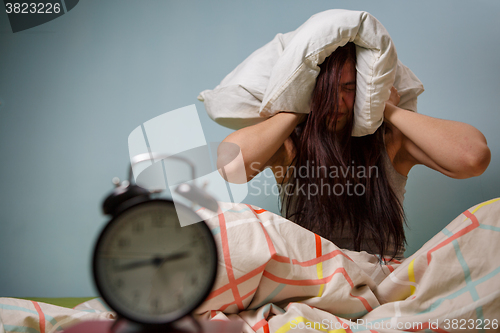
x=395 y=97
x=393 y=101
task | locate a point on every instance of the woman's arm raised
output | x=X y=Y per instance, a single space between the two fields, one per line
x=257 y=145
x=453 y=148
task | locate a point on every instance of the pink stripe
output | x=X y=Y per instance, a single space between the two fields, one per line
x=227 y=261
x=307 y=282
x=239 y=280
x=311 y=262
x=41 y=316
x=474 y=225
x=393 y=260
x=344 y=325
x=261 y=323
x=251 y=274
x=364 y=301
x=219 y=291
x=224 y=307
x=318 y=246
x=323 y=258
x=270 y=244
x=282 y=259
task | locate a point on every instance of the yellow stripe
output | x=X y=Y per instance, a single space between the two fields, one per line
x=484 y=204
x=411 y=276
x=319 y=269
x=313 y=325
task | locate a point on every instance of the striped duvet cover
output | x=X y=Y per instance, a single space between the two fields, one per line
x=275 y=276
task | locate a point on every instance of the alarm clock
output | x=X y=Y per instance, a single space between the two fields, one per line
x=147 y=267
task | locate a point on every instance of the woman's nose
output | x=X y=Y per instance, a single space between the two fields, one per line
x=342 y=97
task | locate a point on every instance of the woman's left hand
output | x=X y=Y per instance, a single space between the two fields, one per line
x=392 y=101
x=395 y=97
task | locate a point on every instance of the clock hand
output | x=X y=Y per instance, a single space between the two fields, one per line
x=172 y=257
x=155 y=261
x=176 y=256
x=138 y=264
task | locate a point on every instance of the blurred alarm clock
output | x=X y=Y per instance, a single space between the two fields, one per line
x=151 y=271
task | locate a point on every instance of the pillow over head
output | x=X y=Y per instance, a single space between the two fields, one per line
x=282 y=74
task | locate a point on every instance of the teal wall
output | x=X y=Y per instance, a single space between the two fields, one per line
x=73 y=89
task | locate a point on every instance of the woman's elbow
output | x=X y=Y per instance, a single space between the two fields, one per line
x=230 y=163
x=233 y=172
x=478 y=160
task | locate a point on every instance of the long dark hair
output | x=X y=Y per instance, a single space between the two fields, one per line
x=377 y=214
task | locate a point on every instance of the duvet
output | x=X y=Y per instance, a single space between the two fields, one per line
x=275 y=276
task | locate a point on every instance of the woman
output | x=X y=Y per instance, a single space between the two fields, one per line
x=354 y=186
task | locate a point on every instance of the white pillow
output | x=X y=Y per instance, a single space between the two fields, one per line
x=281 y=75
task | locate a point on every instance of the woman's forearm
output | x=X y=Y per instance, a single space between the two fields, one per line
x=257 y=144
x=459 y=149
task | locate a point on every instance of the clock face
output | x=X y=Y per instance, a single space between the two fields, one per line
x=151 y=270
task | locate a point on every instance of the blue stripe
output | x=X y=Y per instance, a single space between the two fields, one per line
x=50 y=319
x=238 y=211
x=278 y=308
x=22 y=329
x=271 y=296
x=489 y=227
x=468 y=280
x=447 y=232
x=479 y=314
x=17 y=308
x=90 y=310
x=215 y=231
x=103 y=304
x=464 y=265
